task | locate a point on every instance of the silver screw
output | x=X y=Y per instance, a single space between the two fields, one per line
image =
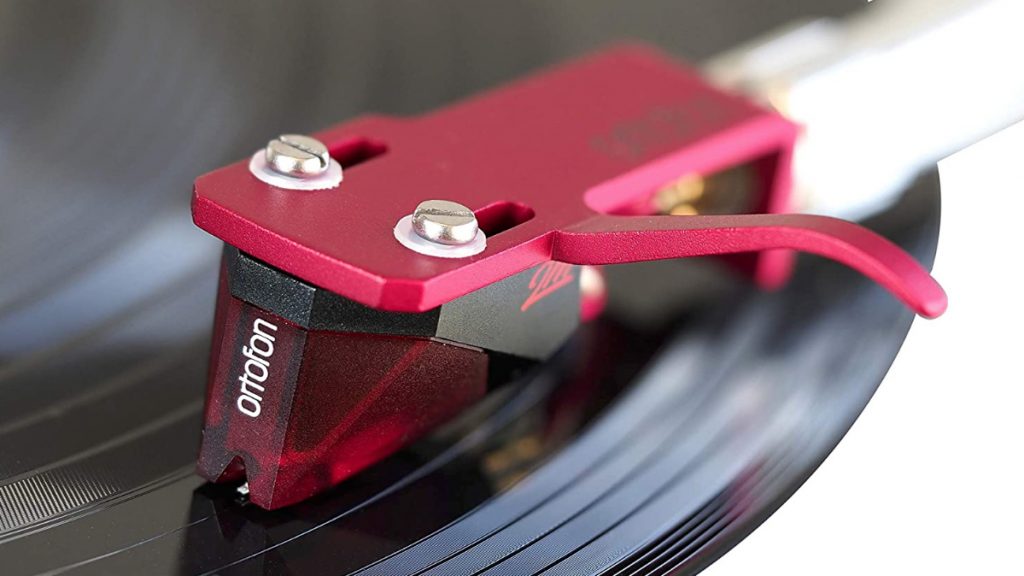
x=445 y=222
x=297 y=156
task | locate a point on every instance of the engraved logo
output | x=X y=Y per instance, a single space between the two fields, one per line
x=548 y=278
x=662 y=128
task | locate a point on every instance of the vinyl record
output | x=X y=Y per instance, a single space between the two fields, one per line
x=652 y=443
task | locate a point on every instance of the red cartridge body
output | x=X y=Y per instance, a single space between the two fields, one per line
x=374 y=344
x=294 y=411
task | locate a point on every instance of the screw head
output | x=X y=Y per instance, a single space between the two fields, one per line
x=297 y=156
x=445 y=222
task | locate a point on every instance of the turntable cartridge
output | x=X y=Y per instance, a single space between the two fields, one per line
x=377 y=274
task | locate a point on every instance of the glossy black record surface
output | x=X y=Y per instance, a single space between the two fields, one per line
x=645 y=447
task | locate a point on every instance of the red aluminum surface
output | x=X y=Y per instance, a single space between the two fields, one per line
x=574 y=145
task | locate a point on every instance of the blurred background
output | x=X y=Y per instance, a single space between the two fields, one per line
x=928 y=479
x=109 y=110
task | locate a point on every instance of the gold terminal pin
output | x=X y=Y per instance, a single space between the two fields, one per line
x=680 y=197
x=727 y=192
